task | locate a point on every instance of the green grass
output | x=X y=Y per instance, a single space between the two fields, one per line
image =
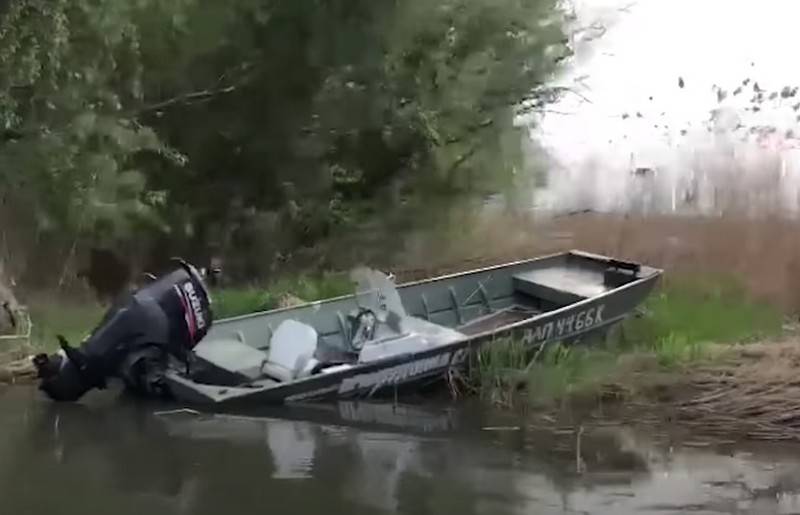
x=696 y=310
x=52 y=315
x=241 y=301
x=503 y=370
x=678 y=323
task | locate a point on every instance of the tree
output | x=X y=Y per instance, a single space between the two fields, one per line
x=343 y=111
x=266 y=128
x=70 y=86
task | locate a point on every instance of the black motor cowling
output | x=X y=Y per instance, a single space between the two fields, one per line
x=135 y=339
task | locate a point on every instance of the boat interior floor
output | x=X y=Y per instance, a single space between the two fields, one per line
x=493 y=321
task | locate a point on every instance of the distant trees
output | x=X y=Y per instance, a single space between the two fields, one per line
x=255 y=128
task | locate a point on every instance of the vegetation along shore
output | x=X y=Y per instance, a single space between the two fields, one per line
x=707 y=350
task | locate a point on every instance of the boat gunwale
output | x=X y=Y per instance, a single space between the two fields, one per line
x=574 y=252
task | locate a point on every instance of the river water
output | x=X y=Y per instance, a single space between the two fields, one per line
x=111 y=455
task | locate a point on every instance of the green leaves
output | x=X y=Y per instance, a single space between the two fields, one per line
x=205 y=115
x=70 y=76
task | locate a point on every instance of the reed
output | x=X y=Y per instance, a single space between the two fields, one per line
x=681 y=327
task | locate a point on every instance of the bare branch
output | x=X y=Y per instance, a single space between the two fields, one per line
x=187 y=98
x=204 y=95
x=470 y=131
x=576 y=93
x=194 y=97
x=553 y=111
x=463 y=158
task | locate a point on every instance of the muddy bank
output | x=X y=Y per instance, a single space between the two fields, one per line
x=737 y=392
x=15 y=361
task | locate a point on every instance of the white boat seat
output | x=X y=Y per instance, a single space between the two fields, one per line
x=230 y=360
x=291 y=351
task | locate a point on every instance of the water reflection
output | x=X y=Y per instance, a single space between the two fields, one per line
x=363 y=458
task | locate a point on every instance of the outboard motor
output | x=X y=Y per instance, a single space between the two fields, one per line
x=135 y=340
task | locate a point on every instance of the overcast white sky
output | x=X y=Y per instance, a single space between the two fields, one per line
x=648 y=46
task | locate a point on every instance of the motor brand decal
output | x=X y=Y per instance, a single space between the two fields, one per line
x=196 y=306
x=187 y=317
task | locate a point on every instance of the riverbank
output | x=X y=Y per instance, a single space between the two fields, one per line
x=699 y=329
x=735 y=393
x=703 y=356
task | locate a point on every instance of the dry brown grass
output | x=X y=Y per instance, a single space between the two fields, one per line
x=754 y=392
x=474 y=242
x=748 y=392
x=763 y=254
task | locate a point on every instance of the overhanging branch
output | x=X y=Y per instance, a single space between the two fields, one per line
x=187 y=99
x=463 y=158
x=9 y=135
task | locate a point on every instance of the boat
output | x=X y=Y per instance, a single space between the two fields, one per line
x=386 y=336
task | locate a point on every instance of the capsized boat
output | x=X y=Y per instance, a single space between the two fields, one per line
x=386 y=336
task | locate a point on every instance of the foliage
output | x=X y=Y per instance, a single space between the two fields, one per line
x=258 y=128
x=70 y=88
x=364 y=110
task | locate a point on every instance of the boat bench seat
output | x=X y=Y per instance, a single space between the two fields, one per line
x=229 y=361
x=291 y=355
x=561 y=286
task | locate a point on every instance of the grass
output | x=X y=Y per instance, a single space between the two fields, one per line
x=699 y=309
x=241 y=301
x=502 y=370
x=74 y=319
x=679 y=323
x=53 y=316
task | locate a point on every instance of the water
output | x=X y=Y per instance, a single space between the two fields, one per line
x=113 y=456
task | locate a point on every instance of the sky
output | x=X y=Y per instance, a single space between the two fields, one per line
x=634 y=69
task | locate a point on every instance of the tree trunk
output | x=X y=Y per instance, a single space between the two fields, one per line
x=9 y=307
